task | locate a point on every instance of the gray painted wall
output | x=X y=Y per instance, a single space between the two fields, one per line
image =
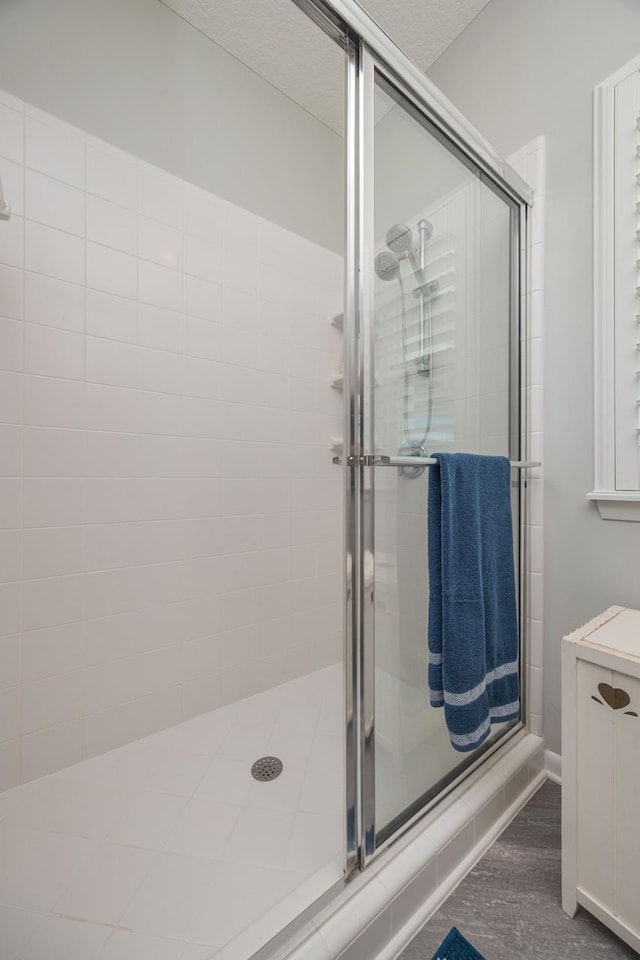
x=135 y=74
x=522 y=69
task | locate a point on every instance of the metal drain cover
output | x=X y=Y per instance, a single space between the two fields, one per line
x=266 y=768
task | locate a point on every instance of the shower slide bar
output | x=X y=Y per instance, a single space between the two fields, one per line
x=384 y=461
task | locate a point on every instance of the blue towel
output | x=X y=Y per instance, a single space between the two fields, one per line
x=456 y=947
x=473 y=620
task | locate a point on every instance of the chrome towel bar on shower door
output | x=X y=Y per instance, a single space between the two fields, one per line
x=383 y=461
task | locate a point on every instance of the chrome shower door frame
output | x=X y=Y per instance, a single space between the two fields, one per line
x=368 y=50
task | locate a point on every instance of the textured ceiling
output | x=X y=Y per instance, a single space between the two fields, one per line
x=282 y=45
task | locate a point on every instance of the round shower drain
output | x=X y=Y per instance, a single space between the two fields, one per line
x=266 y=768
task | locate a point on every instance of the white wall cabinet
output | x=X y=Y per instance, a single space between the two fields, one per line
x=601 y=771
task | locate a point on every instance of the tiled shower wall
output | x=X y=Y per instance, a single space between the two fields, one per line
x=169 y=512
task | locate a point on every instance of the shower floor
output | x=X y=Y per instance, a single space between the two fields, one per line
x=167 y=848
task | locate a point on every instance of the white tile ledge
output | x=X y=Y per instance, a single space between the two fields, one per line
x=371 y=895
x=617 y=504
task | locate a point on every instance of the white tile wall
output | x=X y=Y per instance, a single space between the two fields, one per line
x=169 y=528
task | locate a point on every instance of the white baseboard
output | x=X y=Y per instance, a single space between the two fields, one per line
x=553 y=765
x=404 y=936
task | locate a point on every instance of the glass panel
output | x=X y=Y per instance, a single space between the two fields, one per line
x=441 y=382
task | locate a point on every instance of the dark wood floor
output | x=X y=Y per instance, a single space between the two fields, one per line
x=509 y=906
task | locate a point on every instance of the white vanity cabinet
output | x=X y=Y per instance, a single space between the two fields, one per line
x=601 y=771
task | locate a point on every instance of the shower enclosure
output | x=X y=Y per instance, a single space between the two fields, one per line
x=188 y=596
x=435 y=316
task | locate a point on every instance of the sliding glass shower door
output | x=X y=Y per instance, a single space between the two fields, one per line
x=439 y=353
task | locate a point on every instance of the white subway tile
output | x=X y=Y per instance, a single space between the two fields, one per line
x=110 y=408
x=9 y=764
x=159 y=328
x=112 y=174
x=111 y=225
x=160 y=196
x=160 y=243
x=10 y=655
x=274 y=319
x=53 y=403
x=9 y=713
x=111 y=271
x=51 y=501
x=11 y=294
x=54 y=253
x=51 y=701
x=240 y=270
x=9 y=609
x=55 y=303
x=111 y=362
x=159 y=457
x=10 y=546
x=241 y=310
x=12 y=242
x=275 y=287
x=203 y=259
x=52 y=552
x=204 y=418
x=53 y=452
x=110 y=454
x=51 y=749
x=202 y=338
x=10 y=503
x=203 y=378
x=274 y=355
x=202 y=299
x=10 y=450
x=52 y=651
x=11 y=337
x=53 y=353
x=159 y=413
x=10 y=397
x=203 y=457
x=54 y=203
x=11 y=133
x=159 y=370
x=56 y=152
x=111 y=316
x=241 y=347
x=159 y=285
x=49 y=602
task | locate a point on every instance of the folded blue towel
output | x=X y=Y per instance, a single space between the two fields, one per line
x=473 y=619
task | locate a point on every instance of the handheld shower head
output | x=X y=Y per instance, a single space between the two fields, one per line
x=387 y=265
x=399 y=239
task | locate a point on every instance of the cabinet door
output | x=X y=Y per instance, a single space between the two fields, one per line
x=627 y=767
x=595 y=785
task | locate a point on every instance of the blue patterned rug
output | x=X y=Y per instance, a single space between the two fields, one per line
x=455 y=947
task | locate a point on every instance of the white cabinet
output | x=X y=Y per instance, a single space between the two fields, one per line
x=601 y=771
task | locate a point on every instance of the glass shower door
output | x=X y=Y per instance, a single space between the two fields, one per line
x=440 y=356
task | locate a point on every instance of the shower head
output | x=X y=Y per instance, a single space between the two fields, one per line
x=387 y=265
x=399 y=239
